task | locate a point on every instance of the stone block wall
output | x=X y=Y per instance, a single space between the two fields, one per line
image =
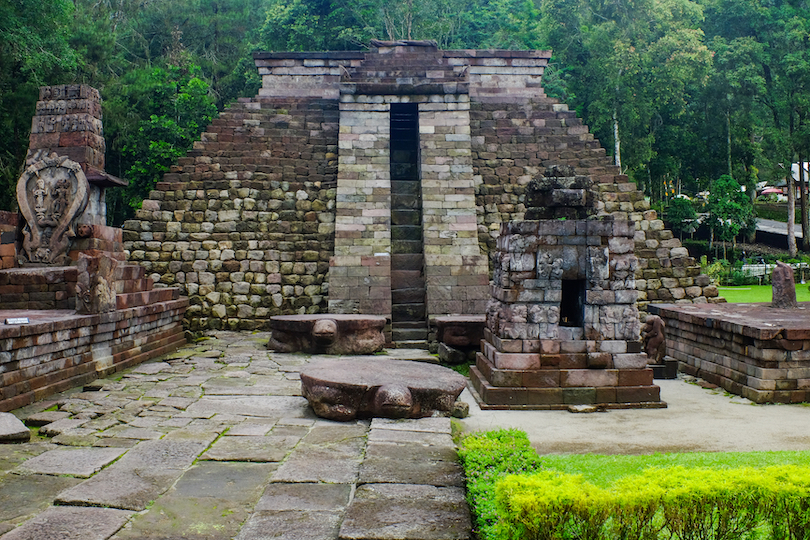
x=60 y=351
x=751 y=350
x=245 y=222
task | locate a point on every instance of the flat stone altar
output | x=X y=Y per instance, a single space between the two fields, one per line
x=344 y=389
x=753 y=350
x=327 y=333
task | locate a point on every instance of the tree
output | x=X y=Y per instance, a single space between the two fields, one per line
x=34 y=50
x=682 y=216
x=730 y=211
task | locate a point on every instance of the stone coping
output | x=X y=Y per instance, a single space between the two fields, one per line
x=44 y=321
x=361 y=55
x=755 y=320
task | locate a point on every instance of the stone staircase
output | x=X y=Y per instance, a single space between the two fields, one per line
x=408 y=323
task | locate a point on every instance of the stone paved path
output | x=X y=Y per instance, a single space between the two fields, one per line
x=215 y=441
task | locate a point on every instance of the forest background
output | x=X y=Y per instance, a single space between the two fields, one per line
x=680 y=92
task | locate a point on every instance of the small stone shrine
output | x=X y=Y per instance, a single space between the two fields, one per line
x=562 y=325
x=71 y=309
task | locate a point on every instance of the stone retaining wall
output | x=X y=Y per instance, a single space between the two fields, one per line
x=60 y=350
x=751 y=350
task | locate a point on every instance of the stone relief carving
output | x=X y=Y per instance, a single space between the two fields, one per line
x=95 y=286
x=52 y=193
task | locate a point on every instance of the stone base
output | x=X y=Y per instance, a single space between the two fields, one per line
x=752 y=350
x=560 y=388
x=346 y=389
x=327 y=333
x=60 y=349
x=667 y=370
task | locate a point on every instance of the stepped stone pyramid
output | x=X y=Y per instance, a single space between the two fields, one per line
x=377 y=182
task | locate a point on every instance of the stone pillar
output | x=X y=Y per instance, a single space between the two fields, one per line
x=360 y=271
x=456 y=273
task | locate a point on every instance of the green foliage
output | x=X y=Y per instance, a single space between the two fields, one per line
x=160 y=113
x=682 y=216
x=731 y=211
x=679 y=502
x=486 y=457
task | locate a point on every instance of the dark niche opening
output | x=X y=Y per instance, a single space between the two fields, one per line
x=572 y=304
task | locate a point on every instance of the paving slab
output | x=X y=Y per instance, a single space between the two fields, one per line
x=145 y=472
x=338 y=464
x=12 y=430
x=45 y=417
x=313 y=497
x=211 y=500
x=262 y=406
x=22 y=496
x=251 y=428
x=71 y=523
x=291 y=525
x=407 y=512
x=251 y=448
x=410 y=437
x=79 y=462
x=55 y=428
x=411 y=464
x=432 y=425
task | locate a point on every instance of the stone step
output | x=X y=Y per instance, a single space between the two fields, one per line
x=406 y=187
x=408 y=296
x=409 y=334
x=407 y=246
x=405 y=201
x=406 y=232
x=407 y=261
x=406 y=217
x=407 y=312
x=407 y=279
x=145 y=298
x=414 y=344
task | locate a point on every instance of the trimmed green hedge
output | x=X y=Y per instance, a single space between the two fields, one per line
x=513 y=498
x=486 y=458
x=700 y=504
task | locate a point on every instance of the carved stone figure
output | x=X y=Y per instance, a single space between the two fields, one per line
x=784 y=287
x=655 y=339
x=52 y=193
x=327 y=333
x=345 y=389
x=95 y=286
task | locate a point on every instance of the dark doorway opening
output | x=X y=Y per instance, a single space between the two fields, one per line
x=572 y=304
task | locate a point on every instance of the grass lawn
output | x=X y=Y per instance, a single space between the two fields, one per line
x=604 y=470
x=759 y=293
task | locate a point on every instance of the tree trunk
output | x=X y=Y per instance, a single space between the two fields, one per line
x=791 y=211
x=728 y=141
x=803 y=204
x=617 y=143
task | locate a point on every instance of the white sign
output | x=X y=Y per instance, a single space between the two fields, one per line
x=18 y=320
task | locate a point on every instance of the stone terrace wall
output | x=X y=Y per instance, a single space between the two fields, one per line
x=245 y=222
x=515 y=138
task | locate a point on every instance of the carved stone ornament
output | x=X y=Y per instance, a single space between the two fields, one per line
x=95 y=286
x=52 y=193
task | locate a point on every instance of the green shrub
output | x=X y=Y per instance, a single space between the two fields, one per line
x=660 y=503
x=486 y=457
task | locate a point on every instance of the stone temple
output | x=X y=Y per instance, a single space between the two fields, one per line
x=377 y=182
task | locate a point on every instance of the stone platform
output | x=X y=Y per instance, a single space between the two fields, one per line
x=59 y=349
x=327 y=333
x=340 y=389
x=215 y=441
x=752 y=350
